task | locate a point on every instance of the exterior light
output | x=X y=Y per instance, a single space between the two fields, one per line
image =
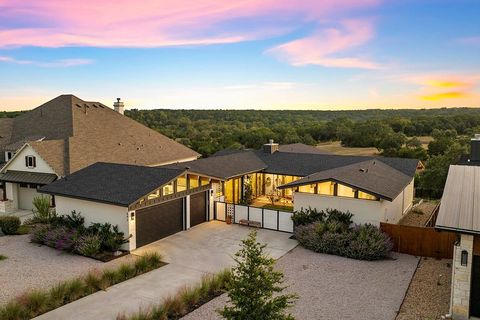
x=132 y=216
x=464 y=258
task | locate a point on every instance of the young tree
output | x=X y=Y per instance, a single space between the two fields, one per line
x=255 y=290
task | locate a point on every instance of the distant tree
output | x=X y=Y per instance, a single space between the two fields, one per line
x=255 y=291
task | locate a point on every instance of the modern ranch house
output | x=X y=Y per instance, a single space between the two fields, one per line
x=260 y=188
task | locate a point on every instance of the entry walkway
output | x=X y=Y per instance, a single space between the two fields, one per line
x=205 y=249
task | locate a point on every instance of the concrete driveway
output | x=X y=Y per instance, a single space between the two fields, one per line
x=206 y=248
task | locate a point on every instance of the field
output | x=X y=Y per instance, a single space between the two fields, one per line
x=336 y=147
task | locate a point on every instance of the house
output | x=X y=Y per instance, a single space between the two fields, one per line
x=460 y=212
x=149 y=203
x=374 y=189
x=67 y=134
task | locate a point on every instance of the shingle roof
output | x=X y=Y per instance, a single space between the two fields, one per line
x=460 y=204
x=224 y=167
x=6 y=128
x=118 y=184
x=372 y=176
x=27 y=177
x=92 y=132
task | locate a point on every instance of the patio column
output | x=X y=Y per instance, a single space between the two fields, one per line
x=4 y=191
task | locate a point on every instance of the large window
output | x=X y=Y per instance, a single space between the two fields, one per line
x=167 y=189
x=366 y=196
x=194 y=181
x=181 y=184
x=344 y=191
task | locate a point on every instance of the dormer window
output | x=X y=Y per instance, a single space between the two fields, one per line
x=30 y=162
x=8 y=155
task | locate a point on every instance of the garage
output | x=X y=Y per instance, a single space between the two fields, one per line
x=198 y=208
x=26 y=194
x=157 y=222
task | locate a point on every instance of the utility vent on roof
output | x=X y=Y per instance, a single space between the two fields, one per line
x=363 y=170
x=79 y=106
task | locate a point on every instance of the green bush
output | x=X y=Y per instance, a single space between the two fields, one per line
x=39 y=233
x=306 y=216
x=37 y=302
x=9 y=224
x=2 y=257
x=336 y=236
x=88 y=245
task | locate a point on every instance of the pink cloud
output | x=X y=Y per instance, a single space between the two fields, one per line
x=328 y=47
x=63 y=63
x=152 y=23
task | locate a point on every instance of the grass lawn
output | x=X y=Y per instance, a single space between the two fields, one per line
x=335 y=147
x=278 y=207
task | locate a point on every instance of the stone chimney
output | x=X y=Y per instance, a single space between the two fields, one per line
x=118 y=106
x=475 y=148
x=270 y=147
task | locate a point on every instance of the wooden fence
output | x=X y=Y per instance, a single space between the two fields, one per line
x=420 y=241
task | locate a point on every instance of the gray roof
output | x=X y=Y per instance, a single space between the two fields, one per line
x=117 y=184
x=27 y=177
x=88 y=132
x=386 y=177
x=460 y=204
x=371 y=176
x=224 y=167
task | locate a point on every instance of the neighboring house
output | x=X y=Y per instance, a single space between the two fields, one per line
x=67 y=134
x=374 y=189
x=460 y=212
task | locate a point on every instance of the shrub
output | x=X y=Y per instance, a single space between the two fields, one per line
x=306 y=216
x=339 y=216
x=61 y=238
x=42 y=211
x=111 y=238
x=72 y=221
x=2 y=257
x=88 y=245
x=9 y=224
x=336 y=236
x=39 y=233
x=369 y=243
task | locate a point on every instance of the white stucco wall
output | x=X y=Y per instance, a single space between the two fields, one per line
x=364 y=211
x=98 y=212
x=18 y=162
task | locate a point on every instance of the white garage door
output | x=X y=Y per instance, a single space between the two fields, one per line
x=25 y=197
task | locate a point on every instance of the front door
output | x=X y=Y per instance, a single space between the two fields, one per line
x=475 y=288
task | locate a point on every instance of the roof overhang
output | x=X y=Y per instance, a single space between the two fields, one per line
x=27 y=177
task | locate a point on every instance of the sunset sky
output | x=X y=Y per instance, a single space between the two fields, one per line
x=243 y=54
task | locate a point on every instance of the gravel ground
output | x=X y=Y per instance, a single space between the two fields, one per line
x=331 y=287
x=429 y=294
x=30 y=266
x=419 y=219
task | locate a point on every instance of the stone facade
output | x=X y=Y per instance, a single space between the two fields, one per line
x=460 y=300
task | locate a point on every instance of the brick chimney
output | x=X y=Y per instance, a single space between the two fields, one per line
x=270 y=147
x=475 y=148
x=118 y=106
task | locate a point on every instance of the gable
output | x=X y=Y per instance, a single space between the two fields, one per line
x=17 y=163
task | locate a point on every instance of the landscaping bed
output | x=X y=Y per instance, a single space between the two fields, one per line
x=36 y=302
x=333 y=232
x=420 y=215
x=428 y=296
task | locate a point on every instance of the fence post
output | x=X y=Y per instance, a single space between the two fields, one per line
x=278 y=220
x=263 y=219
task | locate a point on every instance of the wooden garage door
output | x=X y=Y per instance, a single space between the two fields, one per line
x=198 y=208
x=159 y=221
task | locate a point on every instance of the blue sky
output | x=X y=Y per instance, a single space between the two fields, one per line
x=253 y=54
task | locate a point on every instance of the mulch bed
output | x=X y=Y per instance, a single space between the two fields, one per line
x=419 y=216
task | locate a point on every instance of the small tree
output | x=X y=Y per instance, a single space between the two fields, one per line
x=42 y=211
x=255 y=290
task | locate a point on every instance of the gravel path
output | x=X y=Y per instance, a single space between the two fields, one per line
x=30 y=266
x=429 y=294
x=419 y=216
x=332 y=287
